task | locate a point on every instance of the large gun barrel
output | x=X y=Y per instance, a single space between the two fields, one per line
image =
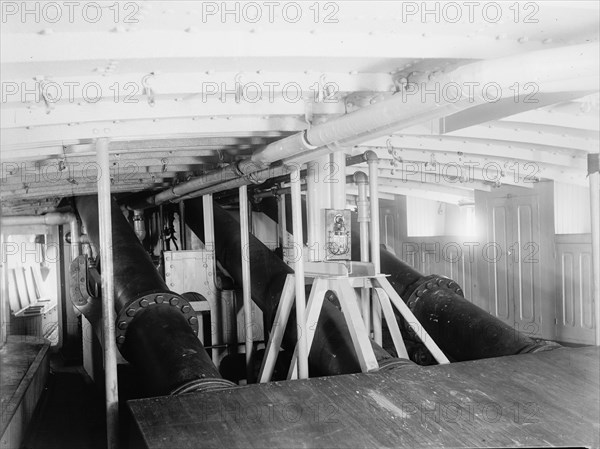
x=332 y=352
x=156 y=328
x=462 y=330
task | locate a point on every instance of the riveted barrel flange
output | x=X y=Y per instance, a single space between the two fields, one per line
x=430 y=283
x=129 y=312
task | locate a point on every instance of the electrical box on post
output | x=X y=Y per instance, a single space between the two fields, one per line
x=337 y=234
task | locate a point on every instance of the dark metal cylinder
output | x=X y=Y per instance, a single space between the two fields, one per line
x=461 y=329
x=332 y=351
x=156 y=328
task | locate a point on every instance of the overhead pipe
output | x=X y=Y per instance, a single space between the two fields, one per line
x=156 y=329
x=332 y=352
x=286 y=191
x=50 y=219
x=462 y=330
x=405 y=109
x=265 y=189
x=259 y=160
x=350 y=161
x=273 y=175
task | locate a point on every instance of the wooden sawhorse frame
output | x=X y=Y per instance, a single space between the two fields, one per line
x=344 y=288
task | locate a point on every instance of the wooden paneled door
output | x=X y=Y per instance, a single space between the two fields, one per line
x=516 y=260
x=574 y=308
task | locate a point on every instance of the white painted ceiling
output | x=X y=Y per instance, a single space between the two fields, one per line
x=151 y=78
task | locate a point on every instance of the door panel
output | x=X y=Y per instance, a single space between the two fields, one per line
x=495 y=255
x=526 y=279
x=575 y=308
x=568 y=299
x=514 y=265
x=586 y=318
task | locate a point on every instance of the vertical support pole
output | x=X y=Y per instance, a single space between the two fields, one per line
x=299 y=274
x=594 y=181
x=373 y=162
x=362 y=204
x=318 y=198
x=209 y=246
x=245 y=244
x=323 y=173
x=282 y=228
x=182 y=232
x=108 y=299
x=338 y=177
x=313 y=212
x=3 y=291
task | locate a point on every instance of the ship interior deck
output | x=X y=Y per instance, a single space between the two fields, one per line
x=375 y=224
x=530 y=400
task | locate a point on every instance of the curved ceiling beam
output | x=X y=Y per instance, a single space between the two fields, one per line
x=517 y=169
x=503 y=149
x=426 y=179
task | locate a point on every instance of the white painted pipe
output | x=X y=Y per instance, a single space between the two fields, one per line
x=313 y=212
x=247 y=298
x=472 y=84
x=108 y=299
x=594 y=181
x=299 y=273
x=209 y=247
x=373 y=162
x=362 y=203
x=259 y=160
x=338 y=180
x=318 y=198
x=282 y=223
x=4 y=309
x=50 y=219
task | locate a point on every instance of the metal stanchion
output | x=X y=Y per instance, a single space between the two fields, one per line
x=245 y=247
x=373 y=162
x=108 y=299
x=299 y=274
x=209 y=246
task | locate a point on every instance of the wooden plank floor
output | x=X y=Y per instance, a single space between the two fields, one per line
x=544 y=399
